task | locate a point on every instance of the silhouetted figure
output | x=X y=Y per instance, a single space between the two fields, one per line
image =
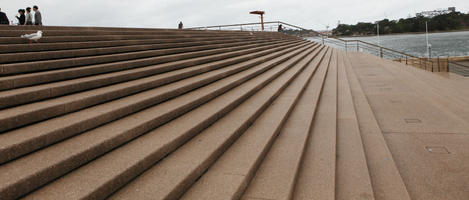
x=3 y=18
x=180 y=25
x=280 y=28
x=29 y=16
x=37 y=16
x=22 y=17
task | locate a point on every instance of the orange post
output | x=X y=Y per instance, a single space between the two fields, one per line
x=261 y=13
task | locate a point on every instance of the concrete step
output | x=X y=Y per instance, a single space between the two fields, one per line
x=21 y=177
x=71 y=30
x=24 y=140
x=74 y=53
x=70 y=85
x=228 y=177
x=317 y=173
x=54 y=39
x=164 y=43
x=352 y=174
x=277 y=175
x=163 y=55
x=58 y=39
x=165 y=181
x=168 y=137
x=385 y=177
x=74 y=28
x=88 y=28
x=75 y=32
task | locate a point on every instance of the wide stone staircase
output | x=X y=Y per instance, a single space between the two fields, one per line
x=121 y=113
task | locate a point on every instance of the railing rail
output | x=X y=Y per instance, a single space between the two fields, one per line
x=247 y=26
x=431 y=64
x=458 y=64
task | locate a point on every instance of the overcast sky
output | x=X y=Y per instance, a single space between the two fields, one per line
x=167 y=13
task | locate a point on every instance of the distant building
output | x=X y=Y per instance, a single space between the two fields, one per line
x=437 y=12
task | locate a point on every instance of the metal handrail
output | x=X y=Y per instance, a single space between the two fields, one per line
x=458 y=64
x=229 y=25
x=382 y=51
x=254 y=23
x=426 y=63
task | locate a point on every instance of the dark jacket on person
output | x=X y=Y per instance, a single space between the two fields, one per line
x=37 y=18
x=4 y=18
x=22 y=19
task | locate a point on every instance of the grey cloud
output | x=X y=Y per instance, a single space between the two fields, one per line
x=167 y=13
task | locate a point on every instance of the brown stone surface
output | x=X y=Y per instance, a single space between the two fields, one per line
x=415 y=120
x=385 y=177
x=316 y=176
x=126 y=113
x=277 y=175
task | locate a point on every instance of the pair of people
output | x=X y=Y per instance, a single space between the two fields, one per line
x=26 y=18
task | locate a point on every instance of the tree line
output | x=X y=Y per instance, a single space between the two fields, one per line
x=444 y=22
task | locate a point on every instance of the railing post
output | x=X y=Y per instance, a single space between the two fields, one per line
x=405 y=60
x=438 y=60
x=381 y=52
x=432 y=64
x=358 y=48
x=447 y=62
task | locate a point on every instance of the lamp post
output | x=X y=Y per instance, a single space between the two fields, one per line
x=429 y=46
x=377 y=31
x=261 y=13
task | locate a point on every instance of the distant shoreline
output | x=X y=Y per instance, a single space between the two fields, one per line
x=407 y=33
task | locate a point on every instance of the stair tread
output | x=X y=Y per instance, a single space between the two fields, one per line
x=82 y=146
x=202 y=114
x=353 y=178
x=73 y=46
x=38 y=79
x=19 y=141
x=316 y=176
x=228 y=177
x=60 y=54
x=277 y=175
x=177 y=53
x=56 y=89
x=385 y=177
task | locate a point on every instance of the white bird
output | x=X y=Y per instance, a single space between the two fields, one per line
x=34 y=36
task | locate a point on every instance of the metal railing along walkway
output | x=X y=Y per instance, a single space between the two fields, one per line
x=438 y=64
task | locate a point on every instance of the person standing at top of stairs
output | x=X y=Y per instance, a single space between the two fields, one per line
x=180 y=25
x=37 y=16
x=3 y=18
x=21 y=18
x=29 y=16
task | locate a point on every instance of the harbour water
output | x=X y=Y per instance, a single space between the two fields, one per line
x=443 y=44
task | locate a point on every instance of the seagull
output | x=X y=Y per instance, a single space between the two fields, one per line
x=34 y=36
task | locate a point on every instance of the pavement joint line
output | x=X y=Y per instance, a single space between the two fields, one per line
x=437 y=149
